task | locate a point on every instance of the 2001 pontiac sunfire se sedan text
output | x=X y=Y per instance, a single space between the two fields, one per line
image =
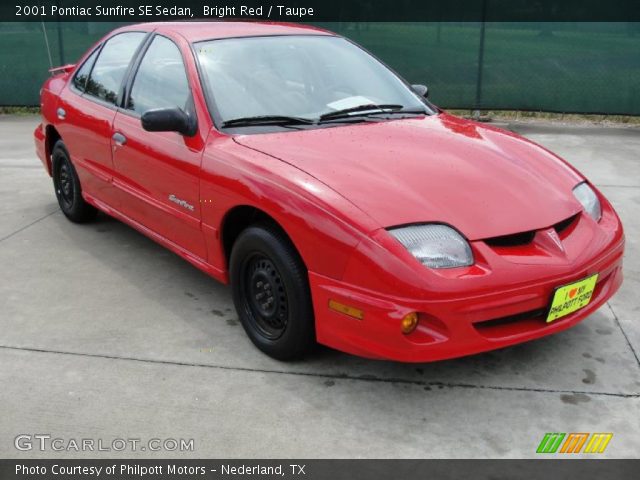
x=339 y=203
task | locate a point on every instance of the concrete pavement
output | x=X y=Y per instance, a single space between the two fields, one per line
x=105 y=334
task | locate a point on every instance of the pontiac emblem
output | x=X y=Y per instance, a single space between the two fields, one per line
x=553 y=236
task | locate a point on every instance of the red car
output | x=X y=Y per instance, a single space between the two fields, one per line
x=340 y=204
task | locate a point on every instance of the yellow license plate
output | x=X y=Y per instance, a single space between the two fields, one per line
x=572 y=297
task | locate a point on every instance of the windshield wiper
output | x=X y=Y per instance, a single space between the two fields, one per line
x=267 y=120
x=368 y=108
x=350 y=114
x=408 y=111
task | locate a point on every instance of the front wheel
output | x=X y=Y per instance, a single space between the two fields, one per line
x=271 y=293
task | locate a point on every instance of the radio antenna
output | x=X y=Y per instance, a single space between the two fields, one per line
x=46 y=41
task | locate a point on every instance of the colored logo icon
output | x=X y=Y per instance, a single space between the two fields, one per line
x=574 y=442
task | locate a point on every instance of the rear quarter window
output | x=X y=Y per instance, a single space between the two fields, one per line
x=82 y=75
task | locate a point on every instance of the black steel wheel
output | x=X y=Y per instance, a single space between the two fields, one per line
x=67 y=187
x=266 y=296
x=271 y=292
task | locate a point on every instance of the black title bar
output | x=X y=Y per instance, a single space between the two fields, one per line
x=324 y=10
x=177 y=469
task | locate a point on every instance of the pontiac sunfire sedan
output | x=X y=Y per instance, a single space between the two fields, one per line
x=339 y=203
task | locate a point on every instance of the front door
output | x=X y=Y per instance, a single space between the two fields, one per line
x=157 y=174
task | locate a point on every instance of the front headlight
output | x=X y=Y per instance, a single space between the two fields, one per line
x=435 y=245
x=589 y=200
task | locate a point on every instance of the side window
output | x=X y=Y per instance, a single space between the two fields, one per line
x=161 y=79
x=80 y=79
x=111 y=66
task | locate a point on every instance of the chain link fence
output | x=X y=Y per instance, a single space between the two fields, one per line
x=556 y=67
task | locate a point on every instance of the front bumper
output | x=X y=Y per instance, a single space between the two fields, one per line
x=467 y=322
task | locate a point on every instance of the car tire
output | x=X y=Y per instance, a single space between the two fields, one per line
x=271 y=293
x=67 y=187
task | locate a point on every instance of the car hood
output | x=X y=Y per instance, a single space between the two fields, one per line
x=483 y=181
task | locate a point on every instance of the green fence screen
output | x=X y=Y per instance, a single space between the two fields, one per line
x=556 y=67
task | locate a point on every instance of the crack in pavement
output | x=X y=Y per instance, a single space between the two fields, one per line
x=624 y=334
x=341 y=376
x=22 y=229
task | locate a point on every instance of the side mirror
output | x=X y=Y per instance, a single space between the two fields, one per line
x=168 y=120
x=421 y=90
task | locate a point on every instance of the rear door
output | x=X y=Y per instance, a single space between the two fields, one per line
x=88 y=107
x=158 y=173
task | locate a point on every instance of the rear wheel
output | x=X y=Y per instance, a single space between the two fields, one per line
x=271 y=293
x=67 y=187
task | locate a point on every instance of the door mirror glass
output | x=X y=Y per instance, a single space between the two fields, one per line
x=421 y=90
x=168 y=120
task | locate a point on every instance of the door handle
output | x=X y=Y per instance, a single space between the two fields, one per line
x=61 y=113
x=119 y=139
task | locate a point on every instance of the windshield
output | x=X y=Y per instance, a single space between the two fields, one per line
x=303 y=77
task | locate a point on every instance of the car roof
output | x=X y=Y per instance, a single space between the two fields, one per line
x=196 y=31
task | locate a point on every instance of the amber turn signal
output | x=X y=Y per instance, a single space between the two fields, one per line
x=409 y=323
x=346 y=309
